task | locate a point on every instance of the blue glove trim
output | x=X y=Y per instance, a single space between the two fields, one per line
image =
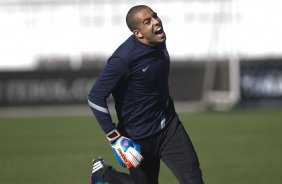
x=136 y=146
x=118 y=158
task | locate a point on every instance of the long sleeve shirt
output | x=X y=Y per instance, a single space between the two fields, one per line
x=137 y=77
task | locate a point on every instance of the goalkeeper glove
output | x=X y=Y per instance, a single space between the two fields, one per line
x=127 y=153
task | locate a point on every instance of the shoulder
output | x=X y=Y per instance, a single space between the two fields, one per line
x=126 y=48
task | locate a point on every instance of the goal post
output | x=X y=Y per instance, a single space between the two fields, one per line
x=206 y=84
x=221 y=87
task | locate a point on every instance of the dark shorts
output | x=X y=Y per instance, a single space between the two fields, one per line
x=173 y=146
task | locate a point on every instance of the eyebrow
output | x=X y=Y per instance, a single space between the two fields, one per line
x=146 y=19
x=149 y=18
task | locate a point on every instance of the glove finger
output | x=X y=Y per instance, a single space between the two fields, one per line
x=131 y=158
x=136 y=154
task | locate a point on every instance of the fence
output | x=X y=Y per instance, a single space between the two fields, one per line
x=217 y=84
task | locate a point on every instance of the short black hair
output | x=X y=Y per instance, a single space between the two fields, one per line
x=130 y=21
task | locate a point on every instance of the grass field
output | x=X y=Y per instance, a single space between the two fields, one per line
x=240 y=147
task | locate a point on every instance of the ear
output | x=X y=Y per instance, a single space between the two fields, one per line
x=138 y=34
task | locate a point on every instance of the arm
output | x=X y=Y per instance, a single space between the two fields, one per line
x=114 y=71
x=126 y=151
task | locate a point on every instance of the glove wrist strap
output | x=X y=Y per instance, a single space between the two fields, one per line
x=113 y=135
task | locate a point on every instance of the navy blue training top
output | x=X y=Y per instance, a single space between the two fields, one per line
x=137 y=77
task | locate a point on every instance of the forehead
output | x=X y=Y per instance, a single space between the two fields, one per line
x=143 y=14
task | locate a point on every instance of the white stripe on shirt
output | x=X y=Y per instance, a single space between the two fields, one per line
x=98 y=108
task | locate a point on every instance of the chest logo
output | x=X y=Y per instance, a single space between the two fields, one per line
x=144 y=69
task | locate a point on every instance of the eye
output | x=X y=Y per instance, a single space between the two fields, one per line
x=147 y=21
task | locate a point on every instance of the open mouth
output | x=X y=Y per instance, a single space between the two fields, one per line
x=159 y=31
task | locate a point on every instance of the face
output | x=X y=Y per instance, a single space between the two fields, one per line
x=150 y=29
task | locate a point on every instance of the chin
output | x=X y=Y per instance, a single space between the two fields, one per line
x=162 y=40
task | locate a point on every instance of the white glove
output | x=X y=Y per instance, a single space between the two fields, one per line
x=127 y=153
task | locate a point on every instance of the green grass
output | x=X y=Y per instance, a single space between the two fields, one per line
x=240 y=147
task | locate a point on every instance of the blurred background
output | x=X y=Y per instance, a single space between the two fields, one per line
x=226 y=68
x=228 y=51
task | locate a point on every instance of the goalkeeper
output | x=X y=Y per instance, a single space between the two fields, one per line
x=148 y=127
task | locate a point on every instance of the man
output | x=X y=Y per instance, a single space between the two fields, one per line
x=137 y=77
